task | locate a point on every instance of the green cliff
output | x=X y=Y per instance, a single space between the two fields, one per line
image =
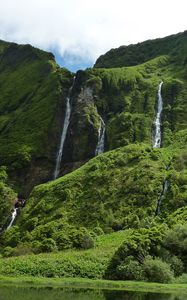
x=118 y=190
x=33 y=90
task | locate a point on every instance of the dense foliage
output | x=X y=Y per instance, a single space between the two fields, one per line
x=106 y=210
x=7 y=199
x=33 y=89
x=139 y=53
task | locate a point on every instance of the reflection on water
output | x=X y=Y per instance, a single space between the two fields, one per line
x=124 y=295
x=31 y=293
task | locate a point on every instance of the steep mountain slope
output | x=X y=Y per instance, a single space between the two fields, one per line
x=124 y=56
x=126 y=98
x=33 y=103
x=33 y=89
x=117 y=190
x=120 y=189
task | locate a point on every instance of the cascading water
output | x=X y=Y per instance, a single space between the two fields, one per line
x=157 y=135
x=14 y=215
x=64 y=132
x=20 y=202
x=164 y=191
x=101 y=138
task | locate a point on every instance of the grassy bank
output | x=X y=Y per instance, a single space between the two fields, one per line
x=94 y=284
x=91 y=263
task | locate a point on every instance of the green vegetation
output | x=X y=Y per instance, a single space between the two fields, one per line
x=90 y=263
x=101 y=220
x=7 y=198
x=126 y=98
x=33 y=90
x=155 y=254
x=77 y=209
x=113 y=191
x=132 y=55
x=93 y=284
x=142 y=255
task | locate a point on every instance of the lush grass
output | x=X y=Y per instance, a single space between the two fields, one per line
x=103 y=260
x=94 y=284
x=91 y=263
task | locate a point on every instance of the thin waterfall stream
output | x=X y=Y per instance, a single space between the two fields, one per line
x=158 y=134
x=64 y=132
x=161 y=198
x=157 y=143
x=14 y=215
x=20 y=202
x=101 y=138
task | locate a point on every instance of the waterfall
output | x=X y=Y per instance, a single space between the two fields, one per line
x=164 y=191
x=157 y=135
x=14 y=215
x=64 y=132
x=101 y=138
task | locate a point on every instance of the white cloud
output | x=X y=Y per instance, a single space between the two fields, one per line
x=88 y=28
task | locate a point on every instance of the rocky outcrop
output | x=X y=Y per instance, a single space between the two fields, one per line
x=82 y=133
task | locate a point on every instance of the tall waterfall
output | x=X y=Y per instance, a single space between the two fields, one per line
x=164 y=191
x=64 y=132
x=14 y=215
x=101 y=138
x=157 y=135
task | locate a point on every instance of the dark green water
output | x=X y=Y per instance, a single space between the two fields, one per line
x=20 y=293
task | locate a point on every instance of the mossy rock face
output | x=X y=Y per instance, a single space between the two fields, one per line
x=82 y=135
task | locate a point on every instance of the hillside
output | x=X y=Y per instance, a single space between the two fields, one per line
x=110 y=108
x=33 y=89
x=124 y=56
x=116 y=190
x=32 y=105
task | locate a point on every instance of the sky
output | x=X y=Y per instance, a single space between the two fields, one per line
x=79 y=31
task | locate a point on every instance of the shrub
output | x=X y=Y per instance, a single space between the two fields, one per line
x=98 y=231
x=31 y=223
x=82 y=238
x=36 y=247
x=48 y=245
x=62 y=240
x=176 y=242
x=176 y=265
x=130 y=269
x=140 y=243
x=157 y=271
x=22 y=249
x=86 y=241
x=11 y=236
x=8 y=251
x=181 y=279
